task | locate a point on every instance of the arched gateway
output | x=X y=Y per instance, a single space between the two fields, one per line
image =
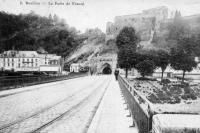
x=106 y=69
x=104 y=64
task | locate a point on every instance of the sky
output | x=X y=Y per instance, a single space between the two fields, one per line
x=95 y=13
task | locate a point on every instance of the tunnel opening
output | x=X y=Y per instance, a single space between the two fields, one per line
x=107 y=70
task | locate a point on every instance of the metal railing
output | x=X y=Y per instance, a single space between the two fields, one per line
x=141 y=108
x=21 y=81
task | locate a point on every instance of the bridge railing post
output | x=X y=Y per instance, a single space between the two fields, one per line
x=139 y=106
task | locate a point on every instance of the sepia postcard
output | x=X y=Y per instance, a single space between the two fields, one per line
x=99 y=66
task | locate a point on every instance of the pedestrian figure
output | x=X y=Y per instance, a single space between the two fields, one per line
x=116 y=74
x=91 y=72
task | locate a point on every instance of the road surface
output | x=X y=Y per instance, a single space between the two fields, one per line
x=44 y=108
x=69 y=106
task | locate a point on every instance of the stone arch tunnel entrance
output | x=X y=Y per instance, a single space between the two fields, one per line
x=106 y=69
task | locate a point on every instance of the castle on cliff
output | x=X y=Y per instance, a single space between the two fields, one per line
x=148 y=22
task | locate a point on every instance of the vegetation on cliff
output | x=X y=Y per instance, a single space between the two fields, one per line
x=93 y=45
x=31 y=32
x=177 y=33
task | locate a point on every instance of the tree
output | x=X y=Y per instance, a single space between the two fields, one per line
x=41 y=50
x=182 y=56
x=55 y=18
x=145 y=67
x=127 y=37
x=178 y=28
x=50 y=17
x=127 y=43
x=31 y=31
x=181 y=60
x=95 y=35
x=10 y=25
x=197 y=45
x=124 y=60
x=188 y=44
x=163 y=60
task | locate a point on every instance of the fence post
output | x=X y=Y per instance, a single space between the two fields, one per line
x=138 y=113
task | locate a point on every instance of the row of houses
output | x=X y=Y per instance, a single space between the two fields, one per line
x=172 y=74
x=194 y=75
x=30 y=61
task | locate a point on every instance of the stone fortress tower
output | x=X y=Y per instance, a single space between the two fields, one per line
x=144 y=23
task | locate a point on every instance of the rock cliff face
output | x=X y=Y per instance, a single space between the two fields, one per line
x=144 y=23
x=149 y=23
x=194 y=22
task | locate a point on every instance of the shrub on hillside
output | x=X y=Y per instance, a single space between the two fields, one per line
x=187 y=90
x=153 y=99
x=189 y=96
x=165 y=81
x=145 y=68
x=145 y=78
x=175 y=100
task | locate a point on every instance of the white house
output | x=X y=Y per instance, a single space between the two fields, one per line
x=168 y=73
x=75 y=67
x=24 y=61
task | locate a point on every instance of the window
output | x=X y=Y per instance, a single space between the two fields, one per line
x=12 y=64
x=19 y=59
x=19 y=65
x=8 y=64
x=12 y=60
x=8 y=60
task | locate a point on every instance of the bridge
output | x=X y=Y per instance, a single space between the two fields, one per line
x=84 y=104
x=81 y=104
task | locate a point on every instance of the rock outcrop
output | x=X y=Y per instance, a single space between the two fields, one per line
x=144 y=23
x=150 y=23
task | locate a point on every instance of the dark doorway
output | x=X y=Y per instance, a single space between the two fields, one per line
x=107 y=70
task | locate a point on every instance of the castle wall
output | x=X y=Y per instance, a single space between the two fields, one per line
x=149 y=22
x=144 y=23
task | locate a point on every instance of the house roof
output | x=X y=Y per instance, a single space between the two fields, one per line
x=28 y=54
x=13 y=53
x=171 y=70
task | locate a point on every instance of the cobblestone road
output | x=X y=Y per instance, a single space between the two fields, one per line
x=76 y=99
